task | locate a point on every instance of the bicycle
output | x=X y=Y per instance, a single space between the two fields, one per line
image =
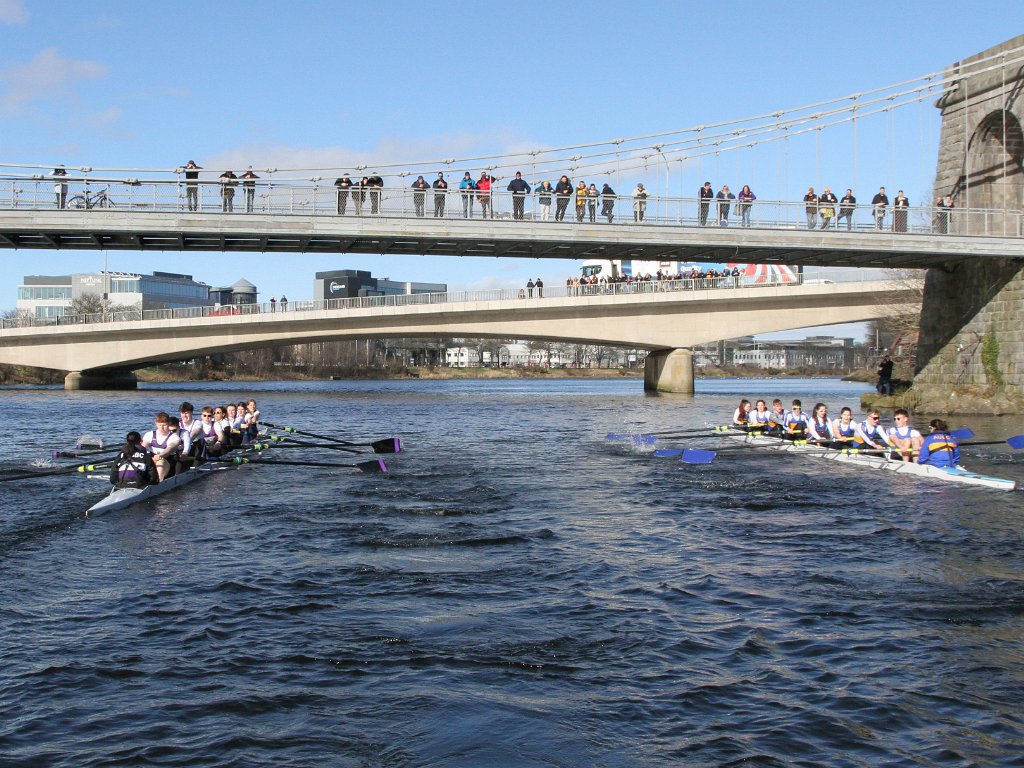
x=85 y=200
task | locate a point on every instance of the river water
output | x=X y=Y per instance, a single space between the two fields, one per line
x=518 y=591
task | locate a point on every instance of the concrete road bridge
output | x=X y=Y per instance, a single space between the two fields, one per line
x=665 y=318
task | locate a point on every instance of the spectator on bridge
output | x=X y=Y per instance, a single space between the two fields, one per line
x=192 y=185
x=344 y=184
x=359 y=194
x=440 y=191
x=581 y=200
x=706 y=194
x=519 y=189
x=746 y=199
x=827 y=207
x=249 y=188
x=544 y=193
x=60 y=186
x=273 y=303
x=284 y=303
x=540 y=288
x=419 y=195
x=811 y=208
x=563 y=191
x=228 y=182
x=467 y=187
x=483 y=195
x=639 y=203
x=529 y=288
x=376 y=185
x=607 y=202
x=878 y=205
x=725 y=198
x=592 y=197
x=846 y=206
x=900 y=212
x=945 y=207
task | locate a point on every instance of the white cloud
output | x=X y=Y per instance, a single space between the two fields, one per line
x=400 y=154
x=47 y=76
x=13 y=12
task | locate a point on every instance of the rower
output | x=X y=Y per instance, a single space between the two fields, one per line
x=162 y=444
x=741 y=416
x=185 y=458
x=939 y=448
x=196 y=450
x=904 y=437
x=241 y=422
x=870 y=433
x=229 y=424
x=819 y=429
x=210 y=433
x=795 y=424
x=776 y=418
x=843 y=429
x=134 y=467
x=759 y=419
x=254 y=418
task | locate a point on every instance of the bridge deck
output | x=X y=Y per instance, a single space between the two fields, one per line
x=136 y=229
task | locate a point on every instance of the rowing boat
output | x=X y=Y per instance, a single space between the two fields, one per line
x=947 y=474
x=121 y=498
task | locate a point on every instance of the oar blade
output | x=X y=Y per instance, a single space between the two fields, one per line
x=644 y=439
x=667 y=453
x=387 y=445
x=962 y=434
x=374 y=467
x=1017 y=441
x=698 y=456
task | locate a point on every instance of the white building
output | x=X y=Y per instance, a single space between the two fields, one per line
x=45 y=296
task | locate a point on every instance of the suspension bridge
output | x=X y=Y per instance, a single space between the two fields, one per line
x=971 y=219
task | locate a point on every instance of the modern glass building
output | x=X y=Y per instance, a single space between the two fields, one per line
x=50 y=295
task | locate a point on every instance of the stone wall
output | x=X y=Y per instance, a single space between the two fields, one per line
x=971 y=353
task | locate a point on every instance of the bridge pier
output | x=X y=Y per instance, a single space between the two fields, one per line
x=669 y=370
x=100 y=380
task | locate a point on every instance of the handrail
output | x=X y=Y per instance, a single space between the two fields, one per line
x=267 y=196
x=523 y=295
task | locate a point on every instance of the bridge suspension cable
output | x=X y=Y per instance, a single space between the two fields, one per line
x=629 y=151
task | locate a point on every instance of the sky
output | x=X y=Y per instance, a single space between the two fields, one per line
x=309 y=84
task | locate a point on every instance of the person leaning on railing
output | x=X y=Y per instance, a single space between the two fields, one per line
x=846 y=208
x=519 y=189
x=745 y=202
x=419 y=195
x=343 y=184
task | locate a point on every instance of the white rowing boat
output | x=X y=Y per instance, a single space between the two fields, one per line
x=947 y=474
x=120 y=498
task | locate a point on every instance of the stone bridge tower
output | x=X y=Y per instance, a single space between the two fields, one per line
x=971 y=350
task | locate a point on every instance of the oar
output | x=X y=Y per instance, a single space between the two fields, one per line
x=62 y=471
x=655 y=435
x=384 y=445
x=78 y=454
x=374 y=466
x=698 y=456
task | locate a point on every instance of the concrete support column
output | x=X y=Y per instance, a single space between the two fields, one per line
x=669 y=370
x=100 y=380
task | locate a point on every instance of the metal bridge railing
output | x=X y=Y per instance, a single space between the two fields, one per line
x=266 y=196
x=572 y=289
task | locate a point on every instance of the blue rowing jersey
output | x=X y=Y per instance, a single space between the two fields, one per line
x=939 y=449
